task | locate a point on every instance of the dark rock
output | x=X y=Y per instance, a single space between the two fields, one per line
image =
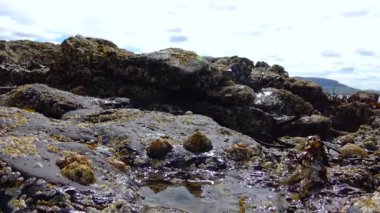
x=366 y=97
x=281 y=102
x=348 y=117
x=48 y=101
x=247 y=119
x=25 y=61
x=263 y=76
x=234 y=95
x=309 y=91
x=15 y=74
x=355 y=176
x=309 y=125
x=236 y=68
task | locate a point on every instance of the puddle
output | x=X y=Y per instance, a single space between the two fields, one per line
x=225 y=195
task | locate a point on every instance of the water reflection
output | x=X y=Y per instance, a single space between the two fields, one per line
x=227 y=195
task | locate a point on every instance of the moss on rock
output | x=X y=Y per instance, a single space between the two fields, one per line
x=77 y=168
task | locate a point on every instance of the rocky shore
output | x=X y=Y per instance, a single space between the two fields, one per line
x=86 y=126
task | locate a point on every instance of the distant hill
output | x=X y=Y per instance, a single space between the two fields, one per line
x=332 y=86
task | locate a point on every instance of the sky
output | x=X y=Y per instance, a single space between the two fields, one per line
x=335 y=39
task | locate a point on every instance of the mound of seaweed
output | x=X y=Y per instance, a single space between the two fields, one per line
x=88 y=126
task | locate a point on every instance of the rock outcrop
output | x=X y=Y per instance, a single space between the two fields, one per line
x=87 y=126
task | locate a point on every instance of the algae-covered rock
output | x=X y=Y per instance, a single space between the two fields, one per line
x=25 y=61
x=234 y=68
x=28 y=53
x=350 y=116
x=309 y=91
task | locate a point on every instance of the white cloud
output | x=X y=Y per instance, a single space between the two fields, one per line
x=294 y=31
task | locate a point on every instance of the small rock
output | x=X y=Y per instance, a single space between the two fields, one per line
x=370 y=144
x=118 y=164
x=188 y=113
x=198 y=143
x=268 y=165
x=239 y=152
x=159 y=148
x=351 y=150
x=345 y=139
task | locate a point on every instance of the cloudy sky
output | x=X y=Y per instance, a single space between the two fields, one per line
x=336 y=39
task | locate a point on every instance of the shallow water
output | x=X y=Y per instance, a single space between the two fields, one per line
x=224 y=195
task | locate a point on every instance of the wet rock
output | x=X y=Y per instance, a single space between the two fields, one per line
x=197 y=143
x=281 y=102
x=159 y=148
x=356 y=176
x=348 y=117
x=308 y=125
x=352 y=150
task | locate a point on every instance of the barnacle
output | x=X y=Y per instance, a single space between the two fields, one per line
x=159 y=148
x=198 y=143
